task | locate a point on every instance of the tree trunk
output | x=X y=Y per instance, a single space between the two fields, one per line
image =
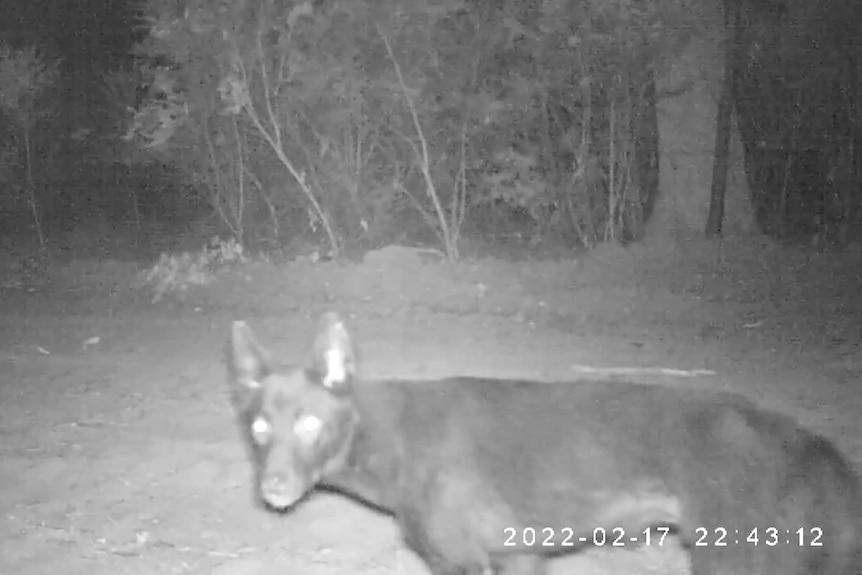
x=31 y=186
x=715 y=218
x=689 y=92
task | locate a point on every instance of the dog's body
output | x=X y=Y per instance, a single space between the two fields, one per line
x=493 y=475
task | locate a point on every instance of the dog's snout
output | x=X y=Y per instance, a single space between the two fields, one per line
x=280 y=490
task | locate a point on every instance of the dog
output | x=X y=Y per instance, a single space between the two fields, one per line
x=494 y=476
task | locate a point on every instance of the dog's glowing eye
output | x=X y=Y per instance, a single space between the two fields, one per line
x=308 y=424
x=260 y=429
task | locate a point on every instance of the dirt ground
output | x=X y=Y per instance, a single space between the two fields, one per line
x=120 y=455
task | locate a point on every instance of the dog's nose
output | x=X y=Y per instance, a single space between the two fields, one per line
x=280 y=491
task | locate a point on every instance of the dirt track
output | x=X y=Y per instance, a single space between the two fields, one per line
x=122 y=456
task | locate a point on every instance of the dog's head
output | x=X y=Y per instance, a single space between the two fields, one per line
x=299 y=421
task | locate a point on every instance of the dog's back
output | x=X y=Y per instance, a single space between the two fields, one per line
x=749 y=491
x=484 y=474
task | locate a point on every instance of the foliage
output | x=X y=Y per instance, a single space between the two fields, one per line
x=797 y=97
x=353 y=112
x=175 y=273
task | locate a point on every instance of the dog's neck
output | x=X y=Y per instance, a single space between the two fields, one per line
x=368 y=467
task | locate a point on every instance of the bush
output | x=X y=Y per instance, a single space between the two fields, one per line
x=175 y=273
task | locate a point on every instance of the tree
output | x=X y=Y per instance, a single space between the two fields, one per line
x=24 y=78
x=723 y=126
x=377 y=119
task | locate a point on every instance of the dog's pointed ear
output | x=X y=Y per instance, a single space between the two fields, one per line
x=248 y=363
x=333 y=358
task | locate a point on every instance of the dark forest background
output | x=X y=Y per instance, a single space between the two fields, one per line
x=352 y=125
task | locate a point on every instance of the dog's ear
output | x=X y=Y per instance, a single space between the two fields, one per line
x=248 y=363
x=333 y=361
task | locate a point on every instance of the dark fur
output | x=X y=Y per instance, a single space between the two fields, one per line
x=459 y=460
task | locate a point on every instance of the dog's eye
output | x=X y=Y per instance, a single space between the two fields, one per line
x=261 y=430
x=307 y=425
